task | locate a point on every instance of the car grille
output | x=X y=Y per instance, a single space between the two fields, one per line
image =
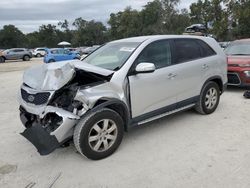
x=233 y=65
x=37 y=99
x=233 y=79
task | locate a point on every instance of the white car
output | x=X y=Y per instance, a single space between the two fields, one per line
x=123 y=84
x=39 y=52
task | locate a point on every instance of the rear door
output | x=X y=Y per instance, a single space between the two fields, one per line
x=19 y=53
x=190 y=65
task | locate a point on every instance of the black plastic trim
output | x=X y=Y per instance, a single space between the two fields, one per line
x=169 y=108
x=41 y=139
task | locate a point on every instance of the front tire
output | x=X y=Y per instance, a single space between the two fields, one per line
x=51 y=61
x=99 y=134
x=38 y=55
x=209 y=98
x=2 y=60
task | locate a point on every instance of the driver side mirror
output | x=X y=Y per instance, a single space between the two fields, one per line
x=145 y=68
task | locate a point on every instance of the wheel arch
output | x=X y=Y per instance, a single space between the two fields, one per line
x=114 y=104
x=26 y=55
x=217 y=80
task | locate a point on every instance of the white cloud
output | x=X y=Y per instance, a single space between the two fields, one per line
x=28 y=15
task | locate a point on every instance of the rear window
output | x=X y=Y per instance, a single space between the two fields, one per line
x=191 y=49
x=206 y=49
x=187 y=50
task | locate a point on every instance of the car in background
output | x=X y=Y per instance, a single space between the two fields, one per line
x=59 y=54
x=39 y=52
x=238 y=55
x=14 y=54
x=89 y=50
x=74 y=50
x=224 y=45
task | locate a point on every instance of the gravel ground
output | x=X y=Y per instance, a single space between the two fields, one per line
x=183 y=150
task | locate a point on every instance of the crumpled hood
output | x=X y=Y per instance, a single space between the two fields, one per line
x=53 y=76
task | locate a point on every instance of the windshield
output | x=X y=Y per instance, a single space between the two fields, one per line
x=238 y=49
x=112 y=55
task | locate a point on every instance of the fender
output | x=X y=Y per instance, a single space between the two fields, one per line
x=115 y=104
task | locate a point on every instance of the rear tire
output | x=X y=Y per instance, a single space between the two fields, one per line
x=209 y=98
x=26 y=58
x=99 y=134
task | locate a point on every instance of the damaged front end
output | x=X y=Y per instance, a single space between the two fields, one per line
x=52 y=101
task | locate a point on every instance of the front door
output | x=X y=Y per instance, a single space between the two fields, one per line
x=154 y=92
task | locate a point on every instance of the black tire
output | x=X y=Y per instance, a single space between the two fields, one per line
x=203 y=105
x=51 y=61
x=26 y=58
x=84 y=128
x=2 y=59
x=38 y=55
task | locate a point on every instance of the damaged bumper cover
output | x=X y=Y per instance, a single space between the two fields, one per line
x=43 y=137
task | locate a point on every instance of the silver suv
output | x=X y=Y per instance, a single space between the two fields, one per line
x=15 y=54
x=123 y=84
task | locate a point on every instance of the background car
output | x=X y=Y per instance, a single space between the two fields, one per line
x=238 y=53
x=224 y=45
x=14 y=54
x=39 y=52
x=59 y=54
x=88 y=51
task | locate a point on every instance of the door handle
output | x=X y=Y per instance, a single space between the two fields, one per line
x=205 y=66
x=171 y=75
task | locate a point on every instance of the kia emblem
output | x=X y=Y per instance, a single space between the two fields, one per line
x=31 y=98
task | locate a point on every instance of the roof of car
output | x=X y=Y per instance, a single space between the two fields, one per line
x=243 y=40
x=144 y=38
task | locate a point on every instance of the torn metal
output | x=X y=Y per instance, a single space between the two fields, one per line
x=54 y=96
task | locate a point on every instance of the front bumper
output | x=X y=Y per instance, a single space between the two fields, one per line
x=41 y=139
x=237 y=76
x=47 y=138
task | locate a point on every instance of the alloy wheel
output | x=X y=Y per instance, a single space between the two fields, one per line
x=102 y=135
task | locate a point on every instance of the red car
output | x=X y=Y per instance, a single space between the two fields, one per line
x=238 y=53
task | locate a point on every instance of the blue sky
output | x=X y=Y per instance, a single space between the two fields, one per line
x=28 y=15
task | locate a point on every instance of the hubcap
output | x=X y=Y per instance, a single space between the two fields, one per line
x=102 y=135
x=211 y=98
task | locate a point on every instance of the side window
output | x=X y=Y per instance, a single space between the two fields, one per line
x=206 y=49
x=60 y=51
x=158 y=52
x=187 y=50
x=54 y=51
x=66 y=51
x=18 y=50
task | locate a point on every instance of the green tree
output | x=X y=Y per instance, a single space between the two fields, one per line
x=48 y=35
x=88 y=32
x=12 y=37
x=66 y=34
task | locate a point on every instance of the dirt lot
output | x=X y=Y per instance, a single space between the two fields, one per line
x=184 y=150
